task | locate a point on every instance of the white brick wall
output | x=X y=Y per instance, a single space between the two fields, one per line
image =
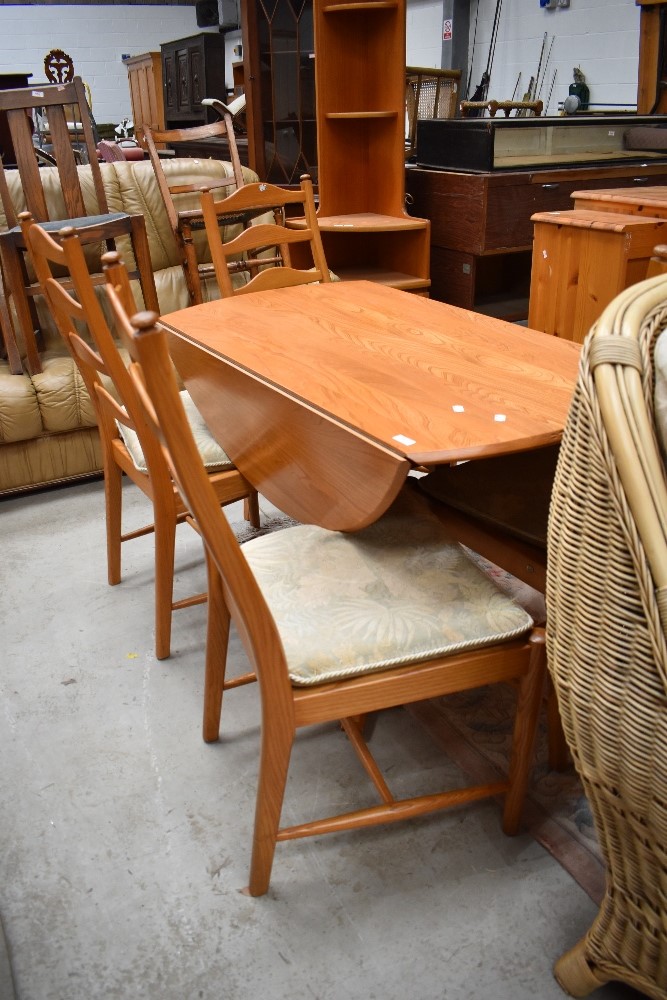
x=95 y=38
x=600 y=36
x=424 y=32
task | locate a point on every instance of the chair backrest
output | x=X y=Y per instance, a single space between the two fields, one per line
x=173 y=193
x=153 y=374
x=58 y=66
x=19 y=106
x=429 y=93
x=263 y=250
x=103 y=364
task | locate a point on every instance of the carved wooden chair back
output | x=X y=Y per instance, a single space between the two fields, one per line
x=264 y=251
x=309 y=668
x=182 y=210
x=59 y=68
x=128 y=443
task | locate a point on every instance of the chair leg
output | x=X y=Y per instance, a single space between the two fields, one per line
x=190 y=266
x=277 y=741
x=251 y=509
x=142 y=257
x=217 y=639
x=10 y=261
x=165 y=541
x=113 y=498
x=575 y=974
x=529 y=702
x=9 y=336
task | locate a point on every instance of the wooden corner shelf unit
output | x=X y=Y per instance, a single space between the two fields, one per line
x=360 y=88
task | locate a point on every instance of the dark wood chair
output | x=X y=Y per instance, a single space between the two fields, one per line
x=181 y=197
x=94 y=223
x=263 y=252
x=288 y=593
x=128 y=444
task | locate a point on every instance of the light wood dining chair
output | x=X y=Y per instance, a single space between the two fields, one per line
x=128 y=443
x=180 y=197
x=262 y=252
x=84 y=201
x=338 y=625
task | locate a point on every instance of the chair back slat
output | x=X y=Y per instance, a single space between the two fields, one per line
x=27 y=164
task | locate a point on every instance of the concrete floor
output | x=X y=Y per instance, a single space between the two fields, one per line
x=124 y=839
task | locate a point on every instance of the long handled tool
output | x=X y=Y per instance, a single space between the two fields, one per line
x=483 y=88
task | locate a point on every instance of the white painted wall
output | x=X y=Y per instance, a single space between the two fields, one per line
x=423 y=33
x=600 y=36
x=96 y=38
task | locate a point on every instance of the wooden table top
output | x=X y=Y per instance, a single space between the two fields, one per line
x=325 y=371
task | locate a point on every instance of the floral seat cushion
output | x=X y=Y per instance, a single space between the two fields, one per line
x=396 y=592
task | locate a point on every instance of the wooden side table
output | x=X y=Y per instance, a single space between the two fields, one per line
x=581 y=260
x=648 y=201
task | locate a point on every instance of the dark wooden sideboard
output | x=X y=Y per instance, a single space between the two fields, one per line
x=481 y=233
x=9 y=81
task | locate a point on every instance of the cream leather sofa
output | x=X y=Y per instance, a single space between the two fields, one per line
x=47 y=424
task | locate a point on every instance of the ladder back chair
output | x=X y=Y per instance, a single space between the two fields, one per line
x=181 y=197
x=91 y=217
x=128 y=443
x=262 y=252
x=607 y=631
x=313 y=609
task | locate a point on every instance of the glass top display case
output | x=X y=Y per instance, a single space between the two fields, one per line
x=488 y=144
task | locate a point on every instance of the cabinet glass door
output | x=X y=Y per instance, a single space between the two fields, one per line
x=286 y=100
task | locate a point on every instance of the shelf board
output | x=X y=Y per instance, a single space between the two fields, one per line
x=396 y=279
x=360 y=114
x=367 y=222
x=334 y=8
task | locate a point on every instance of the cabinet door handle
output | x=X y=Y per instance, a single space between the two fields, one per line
x=639 y=180
x=550 y=187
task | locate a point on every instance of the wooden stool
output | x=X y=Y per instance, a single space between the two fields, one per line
x=581 y=260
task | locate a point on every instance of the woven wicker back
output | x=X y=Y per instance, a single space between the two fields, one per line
x=607 y=571
x=429 y=93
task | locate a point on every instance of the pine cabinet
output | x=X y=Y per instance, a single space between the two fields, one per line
x=144 y=74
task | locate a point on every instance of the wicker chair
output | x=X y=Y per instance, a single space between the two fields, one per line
x=429 y=93
x=607 y=616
